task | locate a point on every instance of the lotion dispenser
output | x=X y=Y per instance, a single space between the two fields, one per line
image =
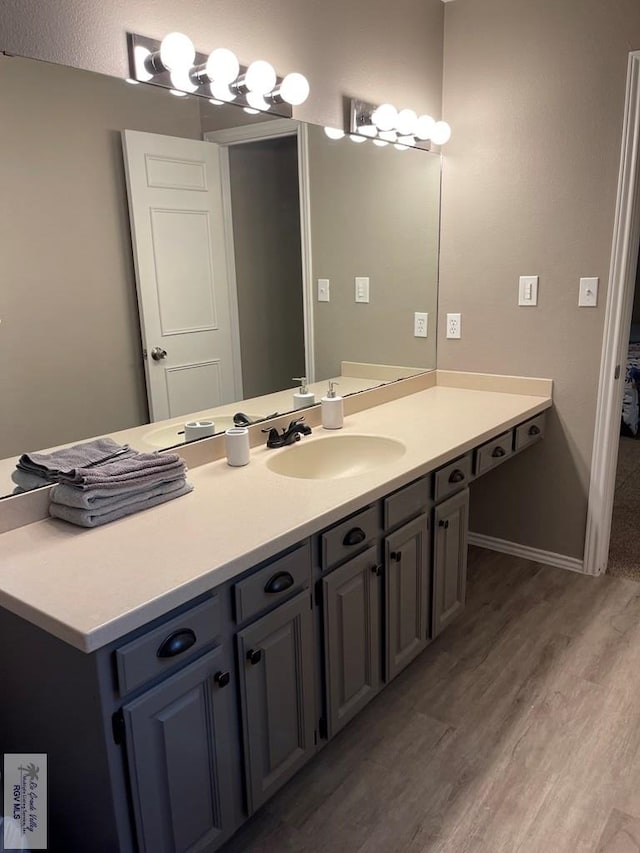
x=331 y=409
x=302 y=397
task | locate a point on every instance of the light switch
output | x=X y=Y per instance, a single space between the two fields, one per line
x=588 y=297
x=323 y=290
x=528 y=290
x=362 y=289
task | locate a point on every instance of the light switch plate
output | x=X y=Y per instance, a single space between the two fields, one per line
x=323 y=290
x=528 y=290
x=420 y=324
x=588 y=297
x=362 y=289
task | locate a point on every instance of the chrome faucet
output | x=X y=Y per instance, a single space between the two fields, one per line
x=289 y=435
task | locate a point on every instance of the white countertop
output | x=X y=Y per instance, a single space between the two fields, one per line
x=90 y=587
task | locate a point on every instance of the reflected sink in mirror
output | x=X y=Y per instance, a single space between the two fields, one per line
x=173 y=434
x=334 y=457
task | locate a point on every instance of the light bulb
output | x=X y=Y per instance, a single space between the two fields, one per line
x=424 y=127
x=251 y=111
x=385 y=117
x=257 y=101
x=406 y=122
x=441 y=133
x=369 y=130
x=177 y=51
x=178 y=93
x=380 y=142
x=294 y=89
x=354 y=137
x=260 y=77
x=221 y=92
x=140 y=56
x=334 y=132
x=216 y=102
x=222 y=66
x=180 y=80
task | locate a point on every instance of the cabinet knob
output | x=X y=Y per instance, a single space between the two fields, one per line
x=443 y=523
x=498 y=451
x=396 y=555
x=176 y=643
x=222 y=678
x=534 y=430
x=354 y=537
x=456 y=476
x=254 y=656
x=377 y=570
x=279 y=582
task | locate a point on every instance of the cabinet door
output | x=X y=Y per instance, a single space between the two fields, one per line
x=180 y=760
x=451 y=520
x=276 y=682
x=407 y=586
x=352 y=641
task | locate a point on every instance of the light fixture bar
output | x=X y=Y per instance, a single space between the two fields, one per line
x=405 y=128
x=146 y=67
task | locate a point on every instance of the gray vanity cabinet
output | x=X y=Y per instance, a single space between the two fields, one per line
x=352 y=637
x=276 y=662
x=449 y=559
x=178 y=737
x=407 y=593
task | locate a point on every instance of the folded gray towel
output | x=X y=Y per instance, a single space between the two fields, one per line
x=111 y=496
x=27 y=481
x=140 y=468
x=51 y=466
x=89 y=518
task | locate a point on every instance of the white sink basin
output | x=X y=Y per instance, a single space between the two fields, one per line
x=167 y=436
x=334 y=457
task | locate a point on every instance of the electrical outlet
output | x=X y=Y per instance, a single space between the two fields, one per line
x=420 y=324
x=454 y=325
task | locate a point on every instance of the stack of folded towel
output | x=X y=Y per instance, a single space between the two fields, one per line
x=100 y=481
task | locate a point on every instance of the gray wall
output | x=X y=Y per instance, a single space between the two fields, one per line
x=70 y=340
x=374 y=213
x=266 y=227
x=535 y=94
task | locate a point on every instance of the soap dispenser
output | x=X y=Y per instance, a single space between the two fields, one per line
x=302 y=397
x=331 y=409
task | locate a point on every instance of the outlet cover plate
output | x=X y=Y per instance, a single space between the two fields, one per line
x=454 y=326
x=420 y=324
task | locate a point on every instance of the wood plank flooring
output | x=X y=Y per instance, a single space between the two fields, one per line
x=517 y=731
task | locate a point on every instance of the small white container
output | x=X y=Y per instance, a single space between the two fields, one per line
x=236 y=442
x=198 y=429
x=303 y=397
x=331 y=409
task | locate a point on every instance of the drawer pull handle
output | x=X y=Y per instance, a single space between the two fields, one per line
x=377 y=570
x=396 y=556
x=456 y=476
x=354 y=537
x=222 y=678
x=443 y=523
x=177 y=643
x=279 y=582
x=498 y=452
x=534 y=430
x=254 y=656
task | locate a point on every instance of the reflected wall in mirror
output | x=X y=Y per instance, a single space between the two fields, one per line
x=70 y=337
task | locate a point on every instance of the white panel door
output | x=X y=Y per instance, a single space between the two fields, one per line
x=187 y=308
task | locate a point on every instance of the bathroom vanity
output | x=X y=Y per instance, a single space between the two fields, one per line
x=179 y=666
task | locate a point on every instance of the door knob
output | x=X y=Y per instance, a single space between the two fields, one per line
x=157 y=353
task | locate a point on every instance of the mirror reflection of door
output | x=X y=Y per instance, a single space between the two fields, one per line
x=220 y=298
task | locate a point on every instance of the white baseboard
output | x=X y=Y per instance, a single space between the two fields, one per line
x=536 y=555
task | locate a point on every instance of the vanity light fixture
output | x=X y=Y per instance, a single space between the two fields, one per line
x=404 y=128
x=174 y=64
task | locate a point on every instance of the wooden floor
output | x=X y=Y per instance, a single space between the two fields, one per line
x=518 y=730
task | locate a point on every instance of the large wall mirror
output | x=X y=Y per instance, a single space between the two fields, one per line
x=108 y=257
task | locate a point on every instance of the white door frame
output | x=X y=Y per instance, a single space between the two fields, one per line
x=275 y=129
x=622 y=271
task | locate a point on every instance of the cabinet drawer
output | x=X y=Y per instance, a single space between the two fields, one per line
x=529 y=432
x=406 y=503
x=349 y=538
x=452 y=477
x=161 y=649
x=273 y=583
x=494 y=452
